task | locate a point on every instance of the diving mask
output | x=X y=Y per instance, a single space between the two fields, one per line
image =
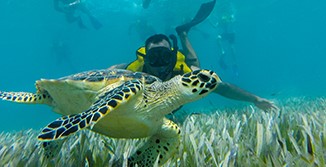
x=160 y=62
x=160 y=56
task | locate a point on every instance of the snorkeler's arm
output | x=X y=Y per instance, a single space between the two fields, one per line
x=233 y=92
x=188 y=50
x=118 y=66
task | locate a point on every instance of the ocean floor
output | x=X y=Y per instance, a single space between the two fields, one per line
x=247 y=136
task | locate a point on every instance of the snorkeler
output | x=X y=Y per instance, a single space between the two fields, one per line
x=161 y=58
x=226 y=37
x=69 y=8
x=61 y=52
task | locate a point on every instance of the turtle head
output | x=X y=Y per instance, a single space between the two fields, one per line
x=199 y=83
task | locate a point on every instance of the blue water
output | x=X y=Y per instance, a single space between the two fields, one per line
x=280 y=47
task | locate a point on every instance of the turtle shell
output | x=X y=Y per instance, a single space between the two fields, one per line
x=75 y=93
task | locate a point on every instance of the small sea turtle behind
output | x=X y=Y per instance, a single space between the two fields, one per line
x=119 y=104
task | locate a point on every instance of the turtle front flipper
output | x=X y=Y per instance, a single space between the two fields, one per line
x=107 y=102
x=160 y=146
x=26 y=97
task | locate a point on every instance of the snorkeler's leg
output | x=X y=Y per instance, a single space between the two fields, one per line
x=81 y=23
x=70 y=17
x=94 y=21
x=190 y=54
x=182 y=30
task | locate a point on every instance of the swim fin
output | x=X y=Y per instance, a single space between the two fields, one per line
x=96 y=23
x=203 y=12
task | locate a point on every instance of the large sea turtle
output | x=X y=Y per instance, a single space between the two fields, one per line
x=119 y=104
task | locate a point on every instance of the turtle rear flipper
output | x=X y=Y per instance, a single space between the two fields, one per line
x=160 y=147
x=26 y=97
x=107 y=101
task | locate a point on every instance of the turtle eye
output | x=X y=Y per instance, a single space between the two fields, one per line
x=202 y=77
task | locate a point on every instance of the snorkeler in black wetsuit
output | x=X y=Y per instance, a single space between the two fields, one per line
x=69 y=8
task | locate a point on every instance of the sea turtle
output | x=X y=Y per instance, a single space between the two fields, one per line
x=119 y=104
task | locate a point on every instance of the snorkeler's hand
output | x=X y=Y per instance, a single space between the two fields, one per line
x=266 y=105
